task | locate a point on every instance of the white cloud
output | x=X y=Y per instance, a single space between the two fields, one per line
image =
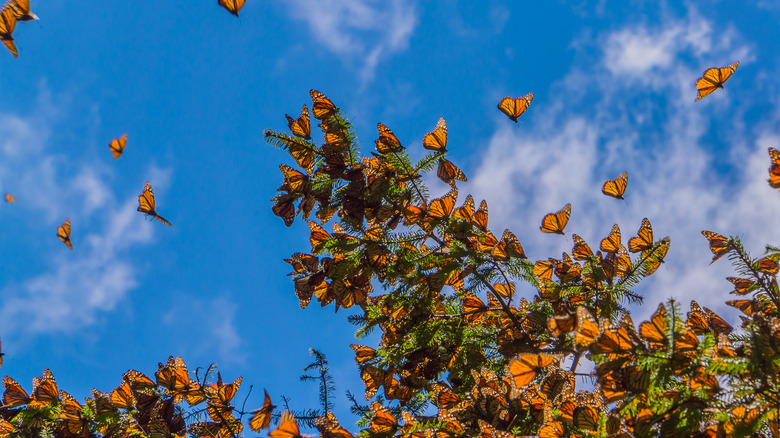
x=601 y=123
x=361 y=31
x=76 y=287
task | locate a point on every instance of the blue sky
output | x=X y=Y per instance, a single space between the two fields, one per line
x=194 y=87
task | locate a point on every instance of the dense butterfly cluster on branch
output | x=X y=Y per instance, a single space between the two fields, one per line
x=464 y=352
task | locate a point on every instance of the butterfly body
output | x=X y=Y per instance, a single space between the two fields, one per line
x=146 y=204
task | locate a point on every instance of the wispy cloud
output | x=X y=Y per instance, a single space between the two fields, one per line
x=630 y=107
x=77 y=286
x=363 y=32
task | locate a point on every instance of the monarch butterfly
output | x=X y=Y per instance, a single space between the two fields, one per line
x=465 y=211
x=363 y=353
x=14 y=394
x=382 y=420
x=146 y=204
x=329 y=427
x=767 y=266
x=616 y=187
x=527 y=366
x=300 y=127
x=712 y=79
x=543 y=269
x=441 y=208
x=449 y=172
x=581 y=250
x=508 y=246
x=21 y=9
x=653 y=262
x=742 y=286
x=233 y=6
x=117 y=145
x=474 y=309
x=654 y=331
x=285 y=208
x=122 y=397
x=515 y=107
x=611 y=243
x=288 y=427
x=556 y=222
x=774 y=169
x=63 y=233
x=618 y=340
x=387 y=142
x=436 y=140
x=44 y=390
x=719 y=245
x=9 y=198
x=505 y=290
x=7 y=25
x=559 y=325
x=587 y=328
x=644 y=239
x=321 y=106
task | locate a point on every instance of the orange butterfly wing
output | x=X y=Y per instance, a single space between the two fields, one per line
x=441 y=208
x=644 y=239
x=514 y=107
x=63 y=233
x=556 y=222
x=712 y=79
x=7 y=25
x=719 y=245
x=387 y=142
x=9 y=198
x=436 y=140
x=117 y=146
x=449 y=172
x=300 y=127
x=233 y=6
x=288 y=427
x=611 y=243
x=774 y=169
x=616 y=188
x=321 y=106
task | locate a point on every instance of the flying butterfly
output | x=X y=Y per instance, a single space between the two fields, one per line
x=63 y=233
x=712 y=79
x=21 y=9
x=774 y=169
x=436 y=140
x=449 y=172
x=9 y=198
x=7 y=25
x=232 y=6
x=288 y=427
x=581 y=250
x=556 y=222
x=300 y=127
x=514 y=107
x=616 y=188
x=719 y=245
x=117 y=146
x=146 y=204
x=387 y=142
x=321 y=106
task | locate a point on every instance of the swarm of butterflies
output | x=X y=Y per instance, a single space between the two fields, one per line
x=458 y=333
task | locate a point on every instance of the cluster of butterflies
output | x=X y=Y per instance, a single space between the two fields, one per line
x=138 y=406
x=146 y=203
x=12 y=12
x=710 y=80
